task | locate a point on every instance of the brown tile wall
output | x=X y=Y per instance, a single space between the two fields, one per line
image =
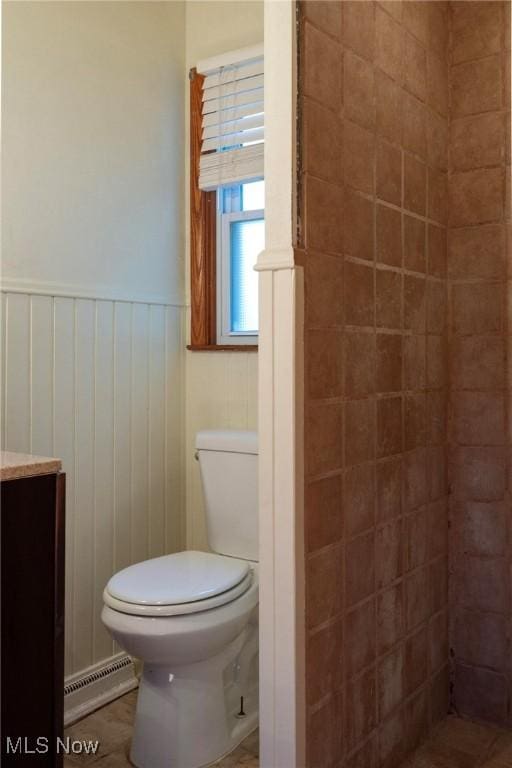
x=478 y=264
x=374 y=135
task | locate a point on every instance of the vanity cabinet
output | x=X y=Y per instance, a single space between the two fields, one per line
x=32 y=615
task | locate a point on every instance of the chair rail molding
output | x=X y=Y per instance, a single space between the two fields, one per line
x=275 y=259
x=78 y=291
x=280 y=408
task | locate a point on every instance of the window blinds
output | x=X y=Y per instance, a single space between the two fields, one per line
x=232 y=118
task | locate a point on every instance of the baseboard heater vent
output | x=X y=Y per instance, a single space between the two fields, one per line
x=92 y=677
x=96 y=686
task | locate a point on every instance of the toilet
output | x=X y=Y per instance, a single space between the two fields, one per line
x=192 y=618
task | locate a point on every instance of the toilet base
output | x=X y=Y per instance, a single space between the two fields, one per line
x=187 y=716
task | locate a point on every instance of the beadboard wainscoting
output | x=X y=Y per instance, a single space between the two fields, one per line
x=99 y=383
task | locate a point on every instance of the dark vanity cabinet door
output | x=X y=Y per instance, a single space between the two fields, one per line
x=32 y=613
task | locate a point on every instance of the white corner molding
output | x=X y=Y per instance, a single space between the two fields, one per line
x=280 y=408
x=275 y=259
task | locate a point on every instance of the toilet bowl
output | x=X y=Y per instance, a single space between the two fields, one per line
x=192 y=618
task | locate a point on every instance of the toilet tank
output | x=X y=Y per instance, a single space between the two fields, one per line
x=228 y=460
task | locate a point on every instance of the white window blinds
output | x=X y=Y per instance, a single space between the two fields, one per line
x=232 y=118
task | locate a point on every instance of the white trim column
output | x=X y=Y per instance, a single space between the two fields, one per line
x=282 y=641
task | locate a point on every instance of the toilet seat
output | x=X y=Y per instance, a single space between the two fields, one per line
x=174 y=585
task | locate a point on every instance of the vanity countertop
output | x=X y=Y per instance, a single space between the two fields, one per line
x=16 y=465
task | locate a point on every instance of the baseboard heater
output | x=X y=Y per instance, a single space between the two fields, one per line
x=97 y=685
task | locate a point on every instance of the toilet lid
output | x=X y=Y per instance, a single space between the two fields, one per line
x=182 y=609
x=184 y=577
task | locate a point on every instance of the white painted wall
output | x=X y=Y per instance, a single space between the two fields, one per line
x=221 y=386
x=92 y=144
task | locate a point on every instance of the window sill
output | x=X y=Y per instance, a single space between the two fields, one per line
x=222 y=347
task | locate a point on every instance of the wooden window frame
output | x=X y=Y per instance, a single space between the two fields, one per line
x=203 y=243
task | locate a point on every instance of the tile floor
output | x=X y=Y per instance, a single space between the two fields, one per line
x=457 y=743
x=112 y=726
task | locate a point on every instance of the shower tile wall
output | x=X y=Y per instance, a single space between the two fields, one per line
x=478 y=260
x=374 y=132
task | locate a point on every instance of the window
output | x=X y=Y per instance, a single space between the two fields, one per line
x=227 y=199
x=240 y=238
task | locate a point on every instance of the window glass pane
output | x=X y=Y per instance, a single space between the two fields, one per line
x=225 y=196
x=231 y=199
x=247 y=240
x=253 y=196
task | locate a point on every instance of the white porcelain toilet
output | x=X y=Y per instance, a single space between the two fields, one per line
x=192 y=618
